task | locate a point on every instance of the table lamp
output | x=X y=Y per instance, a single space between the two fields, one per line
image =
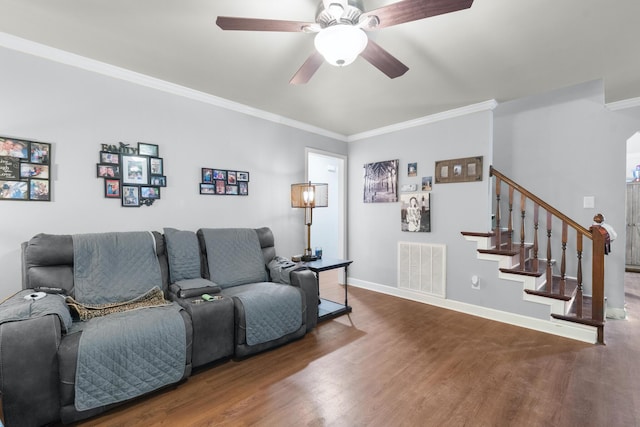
x=309 y=195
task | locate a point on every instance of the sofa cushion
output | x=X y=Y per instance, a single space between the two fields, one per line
x=234 y=256
x=184 y=254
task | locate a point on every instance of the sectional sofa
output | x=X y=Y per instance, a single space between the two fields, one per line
x=107 y=317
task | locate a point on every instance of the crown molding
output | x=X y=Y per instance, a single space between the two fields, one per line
x=624 y=104
x=445 y=115
x=36 y=49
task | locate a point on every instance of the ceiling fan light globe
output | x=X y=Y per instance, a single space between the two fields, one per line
x=341 y=44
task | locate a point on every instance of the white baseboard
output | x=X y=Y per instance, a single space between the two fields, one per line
x=564 y=329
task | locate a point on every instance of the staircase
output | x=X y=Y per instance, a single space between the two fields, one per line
x=545 y=280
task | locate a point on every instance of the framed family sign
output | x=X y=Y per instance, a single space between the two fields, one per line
x=25 y=170
x=134 y=175
x=467 y=169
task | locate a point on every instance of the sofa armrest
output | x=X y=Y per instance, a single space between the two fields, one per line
x=29 y=370
x=308 y=282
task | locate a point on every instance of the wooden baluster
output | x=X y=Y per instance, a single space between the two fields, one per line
x=563 y=263
x=498 y=231
x=510 y=227
x=579 y=278
x=548 y=272
x=523 y=203
x=536 y=209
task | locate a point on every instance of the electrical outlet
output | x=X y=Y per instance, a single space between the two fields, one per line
x=475 y=282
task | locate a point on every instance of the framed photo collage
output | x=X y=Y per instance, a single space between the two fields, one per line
x=224 y=182
x=25 y=170
x=134 y=178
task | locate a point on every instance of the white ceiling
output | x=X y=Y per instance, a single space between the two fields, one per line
x=497 y=49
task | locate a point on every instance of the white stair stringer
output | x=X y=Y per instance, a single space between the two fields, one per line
x=557 y=327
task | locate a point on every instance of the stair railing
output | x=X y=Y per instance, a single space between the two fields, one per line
x=587 y=310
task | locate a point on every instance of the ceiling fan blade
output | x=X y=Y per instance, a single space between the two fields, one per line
x=254 y=24
x=413 y=10
x=308 y=69
x=383 y=60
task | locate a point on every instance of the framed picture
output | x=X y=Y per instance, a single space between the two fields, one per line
x=10 y=168
x=39 y=189
x=159 y=181
x=415 y=212
x=381 y=182
x=110 y=158
x=155 y=165
x=149 y=192
x=467 y=169
x=130 y=196
x=243 y=188
x=243 y=176
x=135 y=170
x=231 y=177
x=207 y=189
x=221 y=187
x=14 y=190
x=25 y=170
x=108 y=171
x=220 y=174
x=427 y=183
x=39 y=152
x=112 y=188
x=147 y=149
x=232 y=190
x=207 y=176
x=412 y=169
x=14 y=148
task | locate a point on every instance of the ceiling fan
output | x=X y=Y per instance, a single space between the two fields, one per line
x=340 y=28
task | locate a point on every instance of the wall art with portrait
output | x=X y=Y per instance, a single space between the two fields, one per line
x=133 y=174
x=381 y=182
x=25 y=170
x=224 y=182
x=415 y=212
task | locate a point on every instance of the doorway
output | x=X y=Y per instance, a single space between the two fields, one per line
x=632 y=250
x=329 y=224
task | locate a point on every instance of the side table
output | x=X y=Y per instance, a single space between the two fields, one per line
x=329 y=309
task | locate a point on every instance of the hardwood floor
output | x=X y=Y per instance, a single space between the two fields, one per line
x=394 y=362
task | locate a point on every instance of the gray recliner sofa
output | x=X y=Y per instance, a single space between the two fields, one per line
x=40 y=364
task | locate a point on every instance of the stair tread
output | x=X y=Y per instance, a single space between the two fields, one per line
x=570 y=287
x=585 y=319
x=528 y=270
x=505 y=249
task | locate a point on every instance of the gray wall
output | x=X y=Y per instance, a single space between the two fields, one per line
x=563 y=146
x=77 y=111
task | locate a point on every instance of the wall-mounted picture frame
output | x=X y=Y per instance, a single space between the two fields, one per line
x=130 y=196
x=427 y=183
x=415 y=212
x=39 y=189
x=149 y=192
x=468 y=169
x=207 y=175
x=14 y=190
x=206 y=188
x=224 y=182
x=158 y=181
x=150 y=150
x=243 y=188
x=412 y=169
x=381 y=182
x=107 y=170
x=25 y=170
x=112 y=188
x=219 y=174
x=109 y=158
x=135 y=170
x=155 y=166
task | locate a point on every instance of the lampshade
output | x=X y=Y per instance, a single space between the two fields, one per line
x=341 y=44
x=309 y=195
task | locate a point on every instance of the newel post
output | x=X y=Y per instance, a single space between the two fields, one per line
x=597 y=280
